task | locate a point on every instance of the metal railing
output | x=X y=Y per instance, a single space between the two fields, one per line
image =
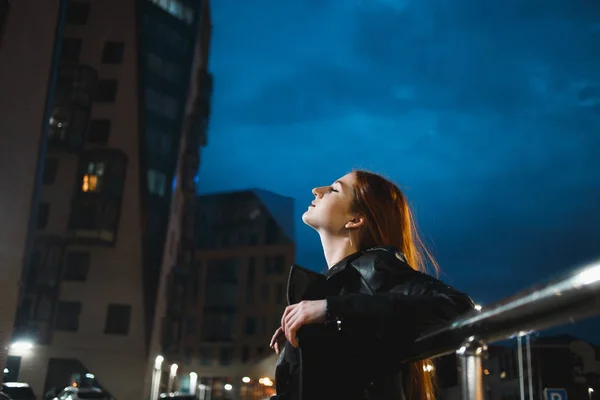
x=559 y=302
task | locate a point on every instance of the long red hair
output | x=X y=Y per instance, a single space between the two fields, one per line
x=389 y=222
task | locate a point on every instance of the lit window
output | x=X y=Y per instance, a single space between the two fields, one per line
x=92 y=179
x=157 y=182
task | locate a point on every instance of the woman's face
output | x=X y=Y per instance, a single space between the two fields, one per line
x=330 y=210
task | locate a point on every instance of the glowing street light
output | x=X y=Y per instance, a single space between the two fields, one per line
x=227 y=387
x=22 y=345
x=246 y=379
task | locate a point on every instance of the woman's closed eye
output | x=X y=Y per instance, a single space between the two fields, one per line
x=331 y=189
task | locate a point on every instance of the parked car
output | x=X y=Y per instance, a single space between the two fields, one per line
x=18 y=391
x=77 y=393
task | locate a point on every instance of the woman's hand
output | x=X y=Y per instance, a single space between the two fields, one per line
x=278 y=340
x=298 y=315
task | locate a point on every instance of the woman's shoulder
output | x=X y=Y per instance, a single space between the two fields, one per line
x=387 y=268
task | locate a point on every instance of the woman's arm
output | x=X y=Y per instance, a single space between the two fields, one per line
x=396 y=318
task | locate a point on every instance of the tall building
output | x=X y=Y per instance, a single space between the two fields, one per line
x=234 y=294
x=105 y=107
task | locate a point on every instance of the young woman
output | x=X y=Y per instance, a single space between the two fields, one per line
x=346 y=334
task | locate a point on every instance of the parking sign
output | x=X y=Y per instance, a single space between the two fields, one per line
x=555 y=394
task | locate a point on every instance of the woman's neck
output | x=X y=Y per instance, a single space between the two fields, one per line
x=336 y=248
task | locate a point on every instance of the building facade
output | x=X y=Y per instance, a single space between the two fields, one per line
x=111 y=133
x=235 y=294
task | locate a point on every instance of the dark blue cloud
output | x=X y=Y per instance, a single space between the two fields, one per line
x=486 y=113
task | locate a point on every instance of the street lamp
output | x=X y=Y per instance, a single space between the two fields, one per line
x=22 y=345
x=590 y=391
x=156 y=377
x=193 y=382
x=172 y=376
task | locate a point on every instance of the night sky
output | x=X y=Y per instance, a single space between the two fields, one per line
x=486 y=113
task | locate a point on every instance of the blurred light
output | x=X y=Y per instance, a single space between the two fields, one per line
x=428 y=368
x=22 y=345
x=590 y=390
x=478 y=307
x=91 y=376
x=6 y=371
x=227 y=386
x=265 y=381
x=502 y=375
x=246 y=379
x=588 y=276
x=486 y=371
x=158 y=362
x=174 y=369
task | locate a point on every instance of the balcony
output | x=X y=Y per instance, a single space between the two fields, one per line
x=76 y=85
x=71 y=111
x=96 y=205
x=93 y=219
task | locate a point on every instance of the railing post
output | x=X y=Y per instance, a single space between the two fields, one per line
x=470 y=369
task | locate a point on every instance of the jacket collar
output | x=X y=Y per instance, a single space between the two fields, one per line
x=301 y=279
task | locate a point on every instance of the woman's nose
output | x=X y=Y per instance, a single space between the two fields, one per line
x=315 y=192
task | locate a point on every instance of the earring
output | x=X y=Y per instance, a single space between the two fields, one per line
x=350 y=237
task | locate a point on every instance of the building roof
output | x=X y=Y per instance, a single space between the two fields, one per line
x=281 y=209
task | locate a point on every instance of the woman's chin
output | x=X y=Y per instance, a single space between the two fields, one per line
x=307 y=219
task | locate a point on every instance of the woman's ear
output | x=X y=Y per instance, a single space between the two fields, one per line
x=355 y=222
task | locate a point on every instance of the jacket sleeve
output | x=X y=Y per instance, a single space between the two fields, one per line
x=393 y=318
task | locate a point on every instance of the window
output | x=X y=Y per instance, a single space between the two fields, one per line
x=77 y=264
x=67 y=317
x=177 y=9
x=250 y=280
x=42 y=215
x=250 y=326
x=279 y=265
x=225 y=355
x=279 y=293
x=274 y=265
x=113 y=52
x=158 y=142
x=161 y=104
x=99 y=131
x=190 y=326
x=78 y=12
x=157 y=182
x=67 y=125
x=106 y=91
x=93 y=177
x=206 y=356
x=265 y=292
x=50 y=171
x=71 y=49
x=245 y=354
x=95 y=218
x=118 y=319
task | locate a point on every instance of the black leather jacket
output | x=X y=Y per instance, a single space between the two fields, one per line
x=377 y=305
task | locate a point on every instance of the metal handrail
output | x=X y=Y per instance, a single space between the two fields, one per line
x=574 y=297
